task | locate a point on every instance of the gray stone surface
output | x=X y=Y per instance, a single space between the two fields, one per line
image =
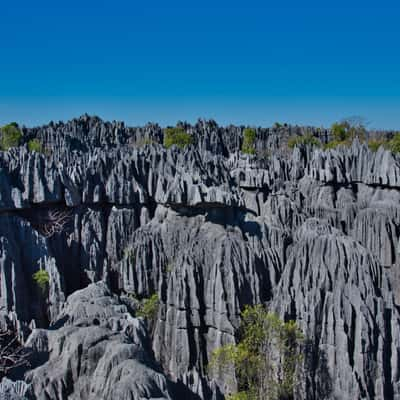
x=314 y=234
x=13 y=390
x=95 y=350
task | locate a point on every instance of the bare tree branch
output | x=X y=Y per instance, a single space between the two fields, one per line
x=12 y=353
x=48 y=221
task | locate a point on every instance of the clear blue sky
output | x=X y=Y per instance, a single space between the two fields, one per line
x=251 y=62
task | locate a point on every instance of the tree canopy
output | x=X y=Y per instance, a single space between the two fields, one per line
x=176 y=136
x=35 y=145
x=307 y=139
x=249 y=141
x=345 y=131
x=394 y=143
x=266 y=359
x=41 y=277
x=10 y=136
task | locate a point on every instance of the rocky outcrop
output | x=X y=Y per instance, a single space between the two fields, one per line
x=314 y=234
x=95 y=350
x=336 y=293
x=10 y=390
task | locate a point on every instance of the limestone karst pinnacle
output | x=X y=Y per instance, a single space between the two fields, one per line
x=313 y=233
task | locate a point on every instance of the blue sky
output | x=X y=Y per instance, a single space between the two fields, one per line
x=243 y=62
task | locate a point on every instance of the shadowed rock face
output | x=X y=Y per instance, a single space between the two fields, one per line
x=312 y=233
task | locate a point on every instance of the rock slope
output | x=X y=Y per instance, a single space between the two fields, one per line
x=314 y=234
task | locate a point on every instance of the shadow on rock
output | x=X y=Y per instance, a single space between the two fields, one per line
x=319 y=384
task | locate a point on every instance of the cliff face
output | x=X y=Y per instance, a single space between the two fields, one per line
x=312 y=233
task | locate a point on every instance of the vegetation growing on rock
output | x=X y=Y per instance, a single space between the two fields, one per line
x=307 y=139
x=345 y=131
x=35 y=145
x=266 y=359
x=309 y=234
x=394 y=144
x=249 y=141
x=10 y=136
x=177 y=136
x=41 y=278
x=149 y=308
x=375 y=143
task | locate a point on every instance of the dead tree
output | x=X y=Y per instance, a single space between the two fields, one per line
x=12 y=353
x=48 y=221
x=54 y=222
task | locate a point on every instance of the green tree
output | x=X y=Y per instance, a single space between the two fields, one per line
x=249 y=141
x=10 y=136
x=266 y=359
x=148 y=308
x=178 y=137
x=345 y=131
x=340 y=131
x=307 y=139
x=35 y=145
x=41 y=278
x=375 y=143
x=394 y=143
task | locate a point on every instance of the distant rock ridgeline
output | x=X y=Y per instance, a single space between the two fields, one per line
x=87 y=133
x=312 y=233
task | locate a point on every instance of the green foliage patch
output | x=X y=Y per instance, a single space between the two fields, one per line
x=149 y=308
x=176 y=136
x=335 y=143
x=41 y=278
x=375 y=143
x=345 y=131
x=394 y=143
x=307 y=139
x=35 y=145
x=266 y=359
x=340 y=132
x=249 y=141
x=10 y=136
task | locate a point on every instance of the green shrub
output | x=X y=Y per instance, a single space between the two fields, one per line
x=307 y=139
x=267 y=356
x=249 y=141
x=335 y=143
x=374 y=144
x=149 y=308
x=394 y=143
x=340 y=131
x=41 y=279
x=344 y=132
x=35 y=145
x=178 y=137
x=10 y=136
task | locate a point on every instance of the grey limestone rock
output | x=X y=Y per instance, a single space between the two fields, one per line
x=95 y=350
x=313 y=233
